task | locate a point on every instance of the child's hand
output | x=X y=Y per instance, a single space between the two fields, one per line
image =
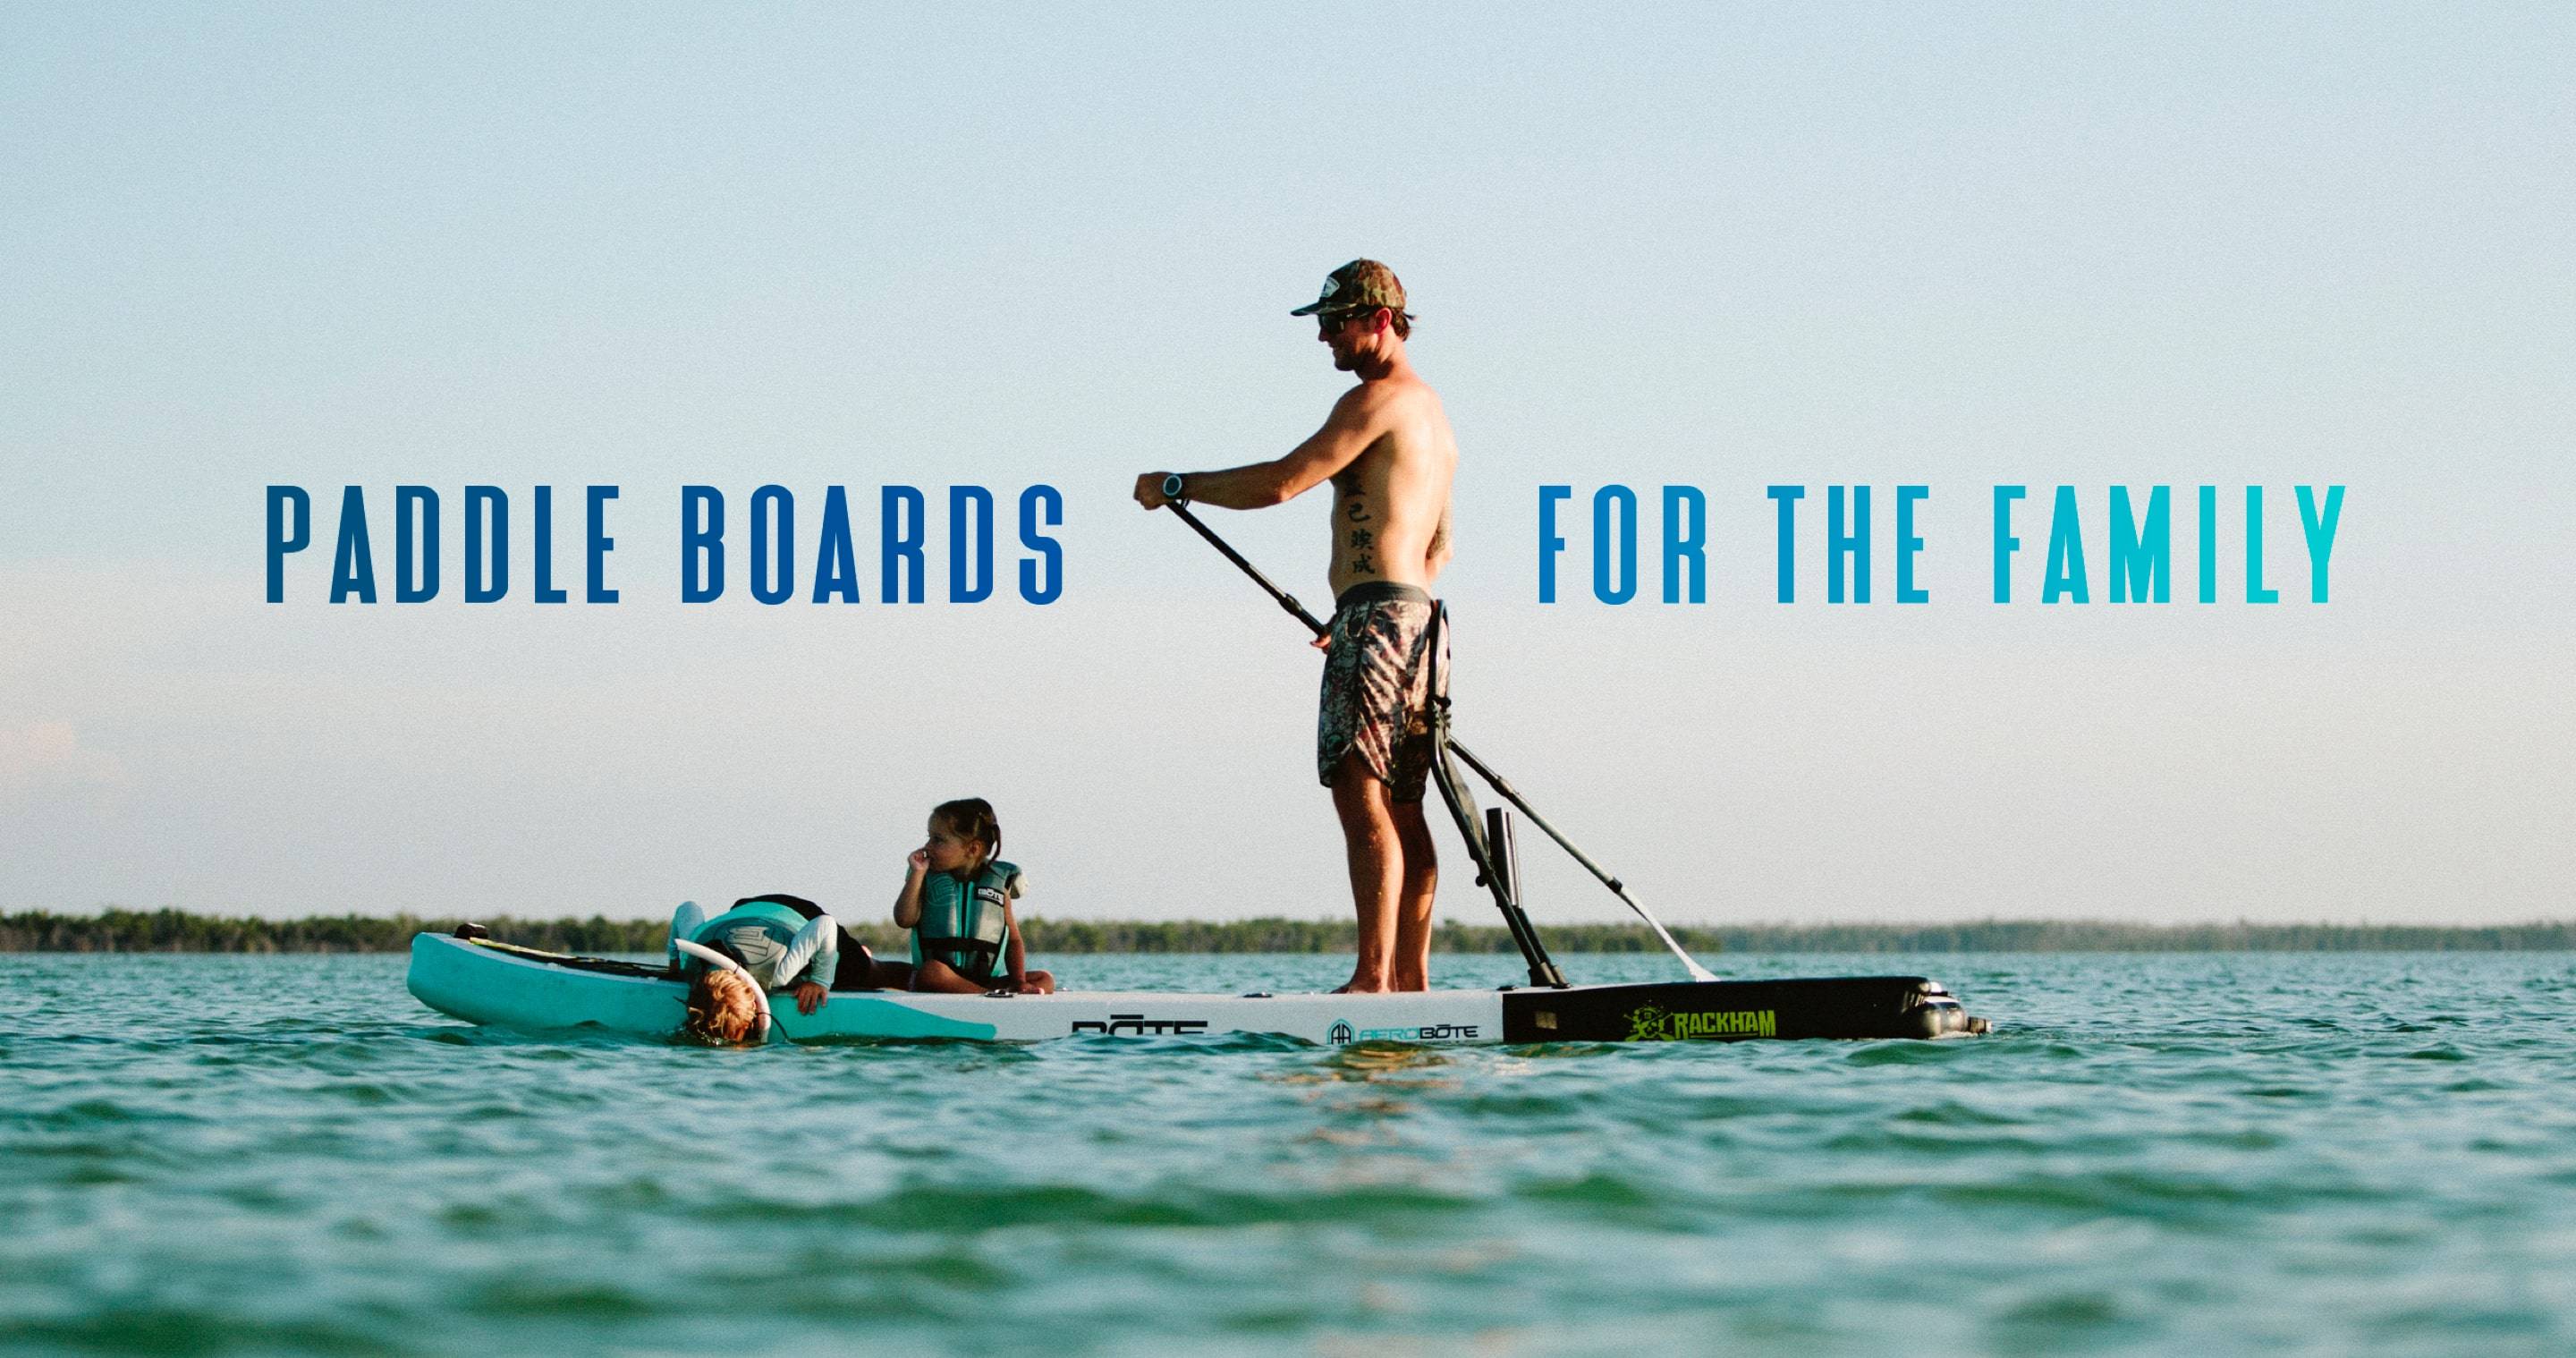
x=809 y=997
x=919 y=859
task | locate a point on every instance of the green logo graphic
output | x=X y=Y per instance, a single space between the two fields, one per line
x=1652 y=1023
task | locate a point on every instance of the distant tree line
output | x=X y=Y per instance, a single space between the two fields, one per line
x=182 y=931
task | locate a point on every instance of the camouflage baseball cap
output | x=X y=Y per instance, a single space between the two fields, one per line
x=1362 y=283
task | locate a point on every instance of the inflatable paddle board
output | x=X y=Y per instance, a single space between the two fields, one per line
x=488 y=982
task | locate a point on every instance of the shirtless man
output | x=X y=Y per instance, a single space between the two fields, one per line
x=1389 y=454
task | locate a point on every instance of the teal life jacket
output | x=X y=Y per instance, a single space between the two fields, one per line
x=778 y=921
x=962 y=922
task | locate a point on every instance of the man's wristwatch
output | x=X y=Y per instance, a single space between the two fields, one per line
x=1172 y=486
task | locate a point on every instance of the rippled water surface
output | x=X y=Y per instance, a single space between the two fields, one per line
x=2324 y=1154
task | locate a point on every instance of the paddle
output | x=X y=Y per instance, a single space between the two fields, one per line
x=1286 y=600
x=1543 y=971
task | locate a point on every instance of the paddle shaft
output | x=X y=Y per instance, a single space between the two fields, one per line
x=1617 y=888
x=1286 y=600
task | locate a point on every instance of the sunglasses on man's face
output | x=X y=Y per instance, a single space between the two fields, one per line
x=1330 y=321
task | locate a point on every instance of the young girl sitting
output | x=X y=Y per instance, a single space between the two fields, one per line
x=956 y=900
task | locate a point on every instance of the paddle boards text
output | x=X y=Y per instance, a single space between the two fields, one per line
x=762 y=550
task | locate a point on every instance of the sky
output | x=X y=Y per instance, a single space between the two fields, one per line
x=1718 y=247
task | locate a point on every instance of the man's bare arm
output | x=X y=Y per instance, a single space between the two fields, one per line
x=1438 y=554
x=1345 y=435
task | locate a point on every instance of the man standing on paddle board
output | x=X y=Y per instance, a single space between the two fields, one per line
x=1389 y=454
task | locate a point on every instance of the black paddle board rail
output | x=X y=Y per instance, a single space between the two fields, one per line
x=1489 y=838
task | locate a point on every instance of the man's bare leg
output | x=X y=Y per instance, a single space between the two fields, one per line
x=1370 y=837
x=1421 y=878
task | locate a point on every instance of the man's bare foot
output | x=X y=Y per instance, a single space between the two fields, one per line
x=1356 y=987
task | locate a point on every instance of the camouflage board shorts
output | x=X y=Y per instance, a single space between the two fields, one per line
x=1377 y=686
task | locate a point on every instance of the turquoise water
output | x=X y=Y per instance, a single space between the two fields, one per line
x=2327 y=1154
